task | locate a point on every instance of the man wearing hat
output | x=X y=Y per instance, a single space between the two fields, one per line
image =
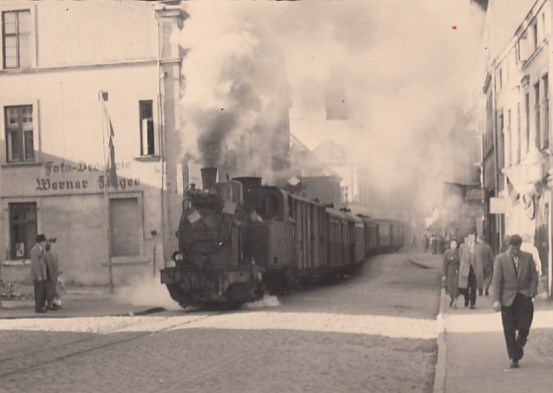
x=38 y=273
x=514 y=285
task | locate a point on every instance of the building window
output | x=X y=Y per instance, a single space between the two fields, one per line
x=125 y=227
x=148 y=137
x=19 y=133
x=519 y=134
x=545 y=80
x=527 y=125
x=523 y=47
x=23 y=229
x=501 y=141
x=537 y=113
x=543 y=26
x=509 y=146
x=16 y=39
x=535 y=34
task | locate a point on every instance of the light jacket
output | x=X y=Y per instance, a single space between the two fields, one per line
x=466 y=259
x=38 y=264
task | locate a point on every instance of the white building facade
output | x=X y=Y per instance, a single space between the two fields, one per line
x=68 y=70
x=517 y=111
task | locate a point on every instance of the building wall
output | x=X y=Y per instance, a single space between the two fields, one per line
x=517 y=116
x=520 y=81
x=324 y=188
x=83 y=48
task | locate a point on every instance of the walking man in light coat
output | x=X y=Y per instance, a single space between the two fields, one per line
x=471 y=273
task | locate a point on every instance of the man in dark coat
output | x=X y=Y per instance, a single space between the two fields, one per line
x=38 y=273
x=514 y=285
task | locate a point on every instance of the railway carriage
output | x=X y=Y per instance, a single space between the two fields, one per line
x=398 y=235
x=311 y=253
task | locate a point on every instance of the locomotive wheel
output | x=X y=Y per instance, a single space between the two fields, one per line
x=238 y=293
x=177 y=294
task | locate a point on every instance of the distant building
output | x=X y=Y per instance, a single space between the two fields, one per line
x=69 y=71
x=310 y=177
x=360 y=191
x=463 y=208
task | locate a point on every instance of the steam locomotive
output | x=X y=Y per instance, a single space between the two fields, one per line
x=240 y=239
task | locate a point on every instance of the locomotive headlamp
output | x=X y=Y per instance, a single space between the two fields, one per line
x=177 y=257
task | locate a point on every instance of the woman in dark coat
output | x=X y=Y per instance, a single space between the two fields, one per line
x=52 y=267
x=450 y=273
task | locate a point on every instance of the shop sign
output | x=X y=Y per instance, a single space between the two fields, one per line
x=79 y=177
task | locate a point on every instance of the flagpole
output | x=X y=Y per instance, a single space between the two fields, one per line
x=107 y=223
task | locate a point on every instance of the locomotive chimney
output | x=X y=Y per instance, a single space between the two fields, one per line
x=209 y=177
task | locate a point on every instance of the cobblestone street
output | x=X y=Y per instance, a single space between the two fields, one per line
x=347 y=337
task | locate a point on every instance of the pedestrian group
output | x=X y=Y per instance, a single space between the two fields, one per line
x=45 y=275
x=512 y=278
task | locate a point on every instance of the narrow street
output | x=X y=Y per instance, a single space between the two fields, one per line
x=371 y=332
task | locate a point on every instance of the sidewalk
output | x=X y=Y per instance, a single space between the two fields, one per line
x=473 y=357
x=78 y=302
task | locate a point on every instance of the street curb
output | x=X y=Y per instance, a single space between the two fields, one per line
x=146 y=311
x=440 y=373
x=418 y=264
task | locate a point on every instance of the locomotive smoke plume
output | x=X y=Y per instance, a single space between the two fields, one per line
x=237 y=96
x=384 y=78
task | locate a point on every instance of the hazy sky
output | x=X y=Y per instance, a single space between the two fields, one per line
x=402 y=68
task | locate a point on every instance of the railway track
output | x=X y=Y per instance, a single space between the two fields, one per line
x=31 y=360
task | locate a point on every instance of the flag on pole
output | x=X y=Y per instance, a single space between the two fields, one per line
x=111 y=167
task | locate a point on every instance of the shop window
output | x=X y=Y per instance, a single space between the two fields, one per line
x=16 y=39
x=148 y=137
x=20 y=133
x=23 y=229
x=125 y=227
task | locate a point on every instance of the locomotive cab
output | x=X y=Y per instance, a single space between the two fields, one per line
x=270 y=235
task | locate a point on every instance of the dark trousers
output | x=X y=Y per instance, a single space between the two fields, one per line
x=469 y=292
x=517 y=316
x=40 y=294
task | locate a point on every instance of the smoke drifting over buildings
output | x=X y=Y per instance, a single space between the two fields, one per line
x=237 y=94
x=402 y=70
